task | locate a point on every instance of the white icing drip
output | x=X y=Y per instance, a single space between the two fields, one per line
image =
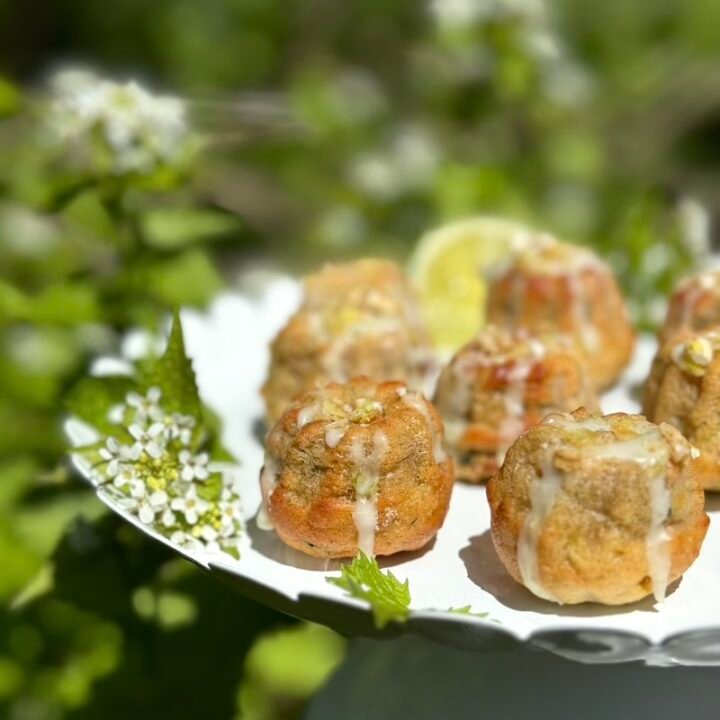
x=268 y=483
x=708 y=280
x=567 y=422
x=368 y=330
x=642 y=449
x=518 y=300
x=688 y=305
x=542 y=492
x=650 y=451
x=514 y=398
x=307 y=415
x=657 y=540
x=334 y=433
x=368 y=465
x=589 y=335
x=415 y=401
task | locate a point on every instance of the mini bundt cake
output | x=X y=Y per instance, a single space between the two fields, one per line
x=550 y=286
x=498 y=386
x=695 y=305
x=357 y=466
x=359 y=318
x=597 y=509
x=684 y=390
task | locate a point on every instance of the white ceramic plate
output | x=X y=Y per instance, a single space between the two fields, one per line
x=229 y=345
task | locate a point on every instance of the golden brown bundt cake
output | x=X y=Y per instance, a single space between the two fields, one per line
x=498 y=386
x=597 y=509
x=358 y=318
x=695 y=305
x=684 y=390
x=358 y=466
x=551 y=286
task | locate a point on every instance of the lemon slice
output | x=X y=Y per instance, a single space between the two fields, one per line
x=448 y=270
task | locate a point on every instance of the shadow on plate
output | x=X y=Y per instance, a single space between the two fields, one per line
x=712 y=502
x=391 y=561
x=260 y=430
x=487 y=572
x=267 y=543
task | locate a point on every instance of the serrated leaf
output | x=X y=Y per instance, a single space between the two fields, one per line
x=92 y=397
x=173 y=374
x=217 y=450
x=171 y=228
x=388 y=597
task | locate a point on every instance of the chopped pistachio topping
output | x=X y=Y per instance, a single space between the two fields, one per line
x=694 y=356
x=365 y=485
x=366 y=410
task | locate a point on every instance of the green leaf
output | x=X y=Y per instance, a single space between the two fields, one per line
x=173 y=374
x=286 y=665
x=388 y=597
x=186 y=279
x=87 y=212
x=217 y=450
x=211 y=489
x=171 y=228
x=10 y=98
x=61 y=304
x=92 y=397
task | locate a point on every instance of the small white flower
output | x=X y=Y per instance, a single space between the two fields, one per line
x=139 y=129
x=115 y=454
x=193 y=467
x=149 y=440
x=116 y=414
x=182 y=427
x=126 y=475
x=146 y=406
x=185 y=539
x=149 y=507
x=208 y=533
x=191 y=506
x=230 y=513
x=168 y=518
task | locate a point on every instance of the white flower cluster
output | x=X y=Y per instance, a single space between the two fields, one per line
x=120 y=127
x=460 y=13
x=409 y=162
x=154 y=473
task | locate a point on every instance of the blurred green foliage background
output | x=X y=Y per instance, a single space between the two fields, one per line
x=320 y=129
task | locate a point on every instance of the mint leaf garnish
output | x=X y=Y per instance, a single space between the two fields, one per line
x=173 y=374
x=388 y=597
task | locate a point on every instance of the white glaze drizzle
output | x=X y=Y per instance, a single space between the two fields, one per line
x=514 y=398
x=307 y=415
x=649 y=450
x=417 y=402
x=589 y=336
x=366 y=487
x=268 y=482
x=543 y=491
x=335 y=432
